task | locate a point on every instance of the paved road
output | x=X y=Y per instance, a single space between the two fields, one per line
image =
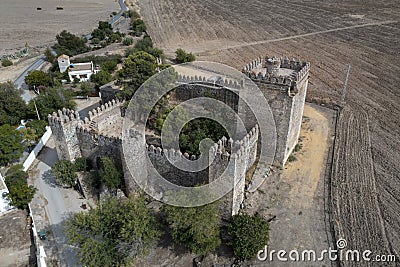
x=20 y=81
x=60 y=203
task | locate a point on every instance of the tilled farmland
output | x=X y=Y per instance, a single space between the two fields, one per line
x=330 y=35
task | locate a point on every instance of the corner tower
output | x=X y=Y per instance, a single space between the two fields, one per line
x=284 y=84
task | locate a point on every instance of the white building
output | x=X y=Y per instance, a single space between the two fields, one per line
x=81 y=71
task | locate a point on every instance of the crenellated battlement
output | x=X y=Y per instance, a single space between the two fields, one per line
x=63 y=116
x=211 y=81
x=225 y=149
x=277 y=71
x=107 y=107
x=171 y=153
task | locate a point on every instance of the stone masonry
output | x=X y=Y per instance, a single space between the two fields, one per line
x=283 y=83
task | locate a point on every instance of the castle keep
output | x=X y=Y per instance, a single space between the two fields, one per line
x=283 y=82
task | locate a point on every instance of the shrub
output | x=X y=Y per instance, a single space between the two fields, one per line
x=292 y=158
x=65 y=173
x=249 y=235
x=83 y=164
x=183 y=57
x=128 y=41
x=6 y=62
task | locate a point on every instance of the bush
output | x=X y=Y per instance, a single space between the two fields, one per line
x=65 y=173
x=292 y=158
x=83 y=164
x=128 y=41
x=6 y=62
x=20 y=194
x=183 y=57
x=249 y=235
x=196 y=228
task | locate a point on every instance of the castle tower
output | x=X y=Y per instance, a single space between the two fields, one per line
x=284 y=84
x=63 y=63
x=64 y=127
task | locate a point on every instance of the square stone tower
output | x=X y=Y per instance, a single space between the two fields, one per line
x=284 y=84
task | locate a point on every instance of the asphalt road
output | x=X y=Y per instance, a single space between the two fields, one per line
x=20 y=81
x=60 y=202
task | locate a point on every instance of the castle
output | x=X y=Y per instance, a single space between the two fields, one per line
x=283 y=82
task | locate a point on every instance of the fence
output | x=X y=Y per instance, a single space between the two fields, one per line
x=32 y=156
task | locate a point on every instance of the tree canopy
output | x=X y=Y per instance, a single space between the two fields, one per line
x=20 y=194
x=64 y=173
x=52 y=100
x=137 y=68
x=114 y=233
x=11 y=147
x=101 y=78
x=249 y=235
x=196 y=228
x=12 y=108
x=38 y=78
x=70 y=44
x=183 y=57
x=111 y=177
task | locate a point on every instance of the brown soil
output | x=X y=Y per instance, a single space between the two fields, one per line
x=329 y=34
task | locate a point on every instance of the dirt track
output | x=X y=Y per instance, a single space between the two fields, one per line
x=221 y=31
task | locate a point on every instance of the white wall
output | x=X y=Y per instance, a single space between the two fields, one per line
x=32 y=156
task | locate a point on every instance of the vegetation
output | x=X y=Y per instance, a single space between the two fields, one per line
x=292 y=158
x=298 y=147
x=51 y=100
x=6 y=62
x=11 y=147
x=104 y=33
x=249 y=234
x=114 y=233
x=82 y=164
x=196 y=228
x=183 y=57
x=110 y=175
x=65 y=173
x=20 y=194
x=101 y=78
x=12 y=108
x=137 y=68
x=138 y=26
x=128 y=41
x=50 y=57
x=70 y=44
x=145 y=45
x=38 y=78
x=38 y=126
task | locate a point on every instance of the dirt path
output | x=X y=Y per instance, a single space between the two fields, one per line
x=295 y=195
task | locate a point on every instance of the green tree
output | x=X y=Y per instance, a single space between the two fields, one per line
x=111 y=177
x=29 y=135
x=183 y=57
x=11 y=147
x=36 y=78
x=50 y=57
x=6 y=62
x=114 y=233
x=50 y=101
x=64 y=173
x=38 y=126
x=82 y=164
x=136 y=70
x=109 y=66
x=101 y=78
x=12 y=108
x=138 y=27
x=20 y=194
x=127 y=41
x=145 y=45
x=196 y=228
x=70 y=44
x=249 y=235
